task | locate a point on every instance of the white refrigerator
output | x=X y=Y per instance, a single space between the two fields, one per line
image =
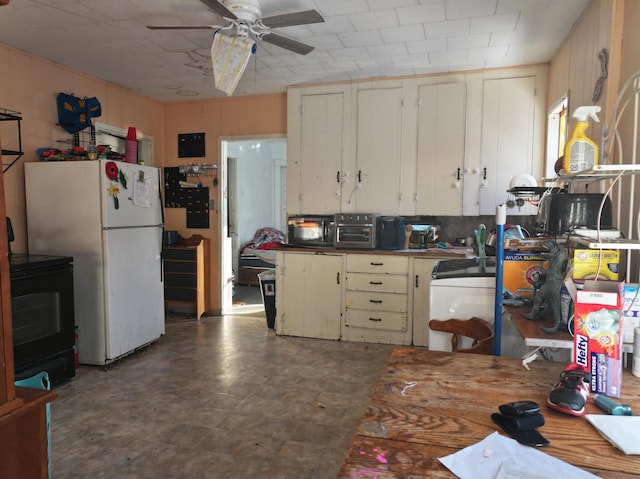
x=108 y=217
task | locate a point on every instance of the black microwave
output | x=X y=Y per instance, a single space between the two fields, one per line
x=562 y=213
x=311 y=230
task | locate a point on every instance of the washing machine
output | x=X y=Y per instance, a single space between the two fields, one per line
x=461 y=289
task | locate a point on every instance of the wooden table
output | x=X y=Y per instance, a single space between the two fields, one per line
x=450 y=408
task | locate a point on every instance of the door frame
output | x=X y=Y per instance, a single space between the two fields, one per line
x=225 y=260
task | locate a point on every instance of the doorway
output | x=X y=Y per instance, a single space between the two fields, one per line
x=252 y=197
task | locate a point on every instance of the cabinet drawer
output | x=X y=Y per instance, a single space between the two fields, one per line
x=180 y=254
x=371 y=263
x=387 y=283
x=180 y=294
x=180 y=280
x=180 y=267
x=387 y=320
x=375 y=301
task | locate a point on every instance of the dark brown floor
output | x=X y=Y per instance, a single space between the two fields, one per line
x=223 y=397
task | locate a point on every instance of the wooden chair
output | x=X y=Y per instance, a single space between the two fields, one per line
x=475 y=328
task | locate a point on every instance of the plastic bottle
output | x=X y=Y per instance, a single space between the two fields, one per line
x=581 y=152
x=92 y=151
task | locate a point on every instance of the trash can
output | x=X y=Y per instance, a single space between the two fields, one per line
x=268 y=290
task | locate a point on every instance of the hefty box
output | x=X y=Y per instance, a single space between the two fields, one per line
x=522 y=272
x=598 y=322
x=631 y=311
x=589 y=262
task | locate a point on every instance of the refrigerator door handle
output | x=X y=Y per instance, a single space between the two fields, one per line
x=162 y=230
x=160 y=198
x=161 y=255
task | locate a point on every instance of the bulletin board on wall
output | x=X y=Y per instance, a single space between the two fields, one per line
x=195 y=200
x=191 y=145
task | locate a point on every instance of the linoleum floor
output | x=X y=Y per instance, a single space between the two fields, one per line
x=222 y=397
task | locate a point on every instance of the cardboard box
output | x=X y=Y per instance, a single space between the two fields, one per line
x=522 y=269
x=586 y=261
x=526 y=244
x=631 y=312
x=598 y=326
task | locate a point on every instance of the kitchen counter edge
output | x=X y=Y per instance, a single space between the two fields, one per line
x=403 y=252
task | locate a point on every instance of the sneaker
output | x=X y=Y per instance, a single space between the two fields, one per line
x=569 y=395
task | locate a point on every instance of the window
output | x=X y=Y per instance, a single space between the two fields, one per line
x=556 y=134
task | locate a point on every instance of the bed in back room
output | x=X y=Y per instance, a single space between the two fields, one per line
x=258 y=255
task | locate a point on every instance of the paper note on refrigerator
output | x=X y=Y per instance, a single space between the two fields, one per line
x=142 y=190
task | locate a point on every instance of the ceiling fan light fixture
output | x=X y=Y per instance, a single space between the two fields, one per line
x=229 y=58
x=247 y=10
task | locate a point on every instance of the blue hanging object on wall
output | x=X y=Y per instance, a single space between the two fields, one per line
x=74 y=114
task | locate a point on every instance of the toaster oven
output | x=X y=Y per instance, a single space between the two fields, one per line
x=355 y=230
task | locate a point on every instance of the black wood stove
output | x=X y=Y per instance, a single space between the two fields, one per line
x=43 y=316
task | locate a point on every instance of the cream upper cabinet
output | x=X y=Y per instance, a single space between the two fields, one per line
x=318 y=129
x=440 y=144
x=309 y=295
x=434 y=145
x=375 y=182
x=509 y=144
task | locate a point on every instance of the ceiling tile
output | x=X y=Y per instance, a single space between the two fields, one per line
x=357 y=40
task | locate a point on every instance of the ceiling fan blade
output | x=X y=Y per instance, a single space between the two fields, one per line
x=291 y=19
x=287 y=43
x=219 y=8
x=182 y=27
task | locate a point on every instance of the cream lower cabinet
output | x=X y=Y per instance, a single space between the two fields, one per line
x=308 y=294
x=376 y=299
x=421 y=274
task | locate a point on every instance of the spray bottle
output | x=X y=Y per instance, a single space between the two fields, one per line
x=581 y=152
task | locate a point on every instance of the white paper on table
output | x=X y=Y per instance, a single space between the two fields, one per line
x=484 y=459
x=508 y=470
x=621 y=431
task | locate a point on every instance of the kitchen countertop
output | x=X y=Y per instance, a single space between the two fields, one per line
x=436 y=253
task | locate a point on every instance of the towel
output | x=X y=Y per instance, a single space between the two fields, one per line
x=229 y=57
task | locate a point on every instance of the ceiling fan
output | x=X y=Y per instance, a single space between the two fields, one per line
x=244 y=18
